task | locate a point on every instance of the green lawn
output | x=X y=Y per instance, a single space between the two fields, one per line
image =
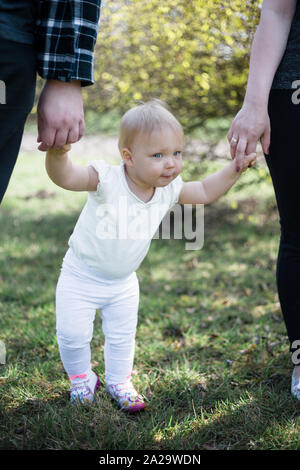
x=211 y=350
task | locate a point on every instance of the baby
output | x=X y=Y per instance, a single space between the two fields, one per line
x=109 y=242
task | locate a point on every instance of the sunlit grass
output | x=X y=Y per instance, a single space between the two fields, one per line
x=211 y=349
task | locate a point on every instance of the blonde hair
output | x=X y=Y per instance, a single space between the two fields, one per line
x=145 y=118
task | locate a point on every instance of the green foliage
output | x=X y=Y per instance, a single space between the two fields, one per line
x=102 y=123
x=194 y=55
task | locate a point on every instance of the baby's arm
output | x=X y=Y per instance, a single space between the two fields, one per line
x=65 y=174
x=213 y=186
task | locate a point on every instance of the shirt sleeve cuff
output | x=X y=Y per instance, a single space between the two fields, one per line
x=53 y=71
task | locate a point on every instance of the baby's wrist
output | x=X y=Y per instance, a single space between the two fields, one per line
x=59 y=152
x=233 y=170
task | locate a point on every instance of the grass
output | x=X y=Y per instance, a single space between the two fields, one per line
x=211 y=350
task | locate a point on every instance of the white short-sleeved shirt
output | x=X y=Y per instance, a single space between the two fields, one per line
x=114 y=230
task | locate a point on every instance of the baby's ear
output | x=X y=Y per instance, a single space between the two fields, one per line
x=127 y=156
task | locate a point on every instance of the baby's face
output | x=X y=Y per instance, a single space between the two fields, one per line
x=157 y=159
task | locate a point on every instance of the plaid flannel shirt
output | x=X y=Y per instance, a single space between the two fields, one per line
x=66 y=34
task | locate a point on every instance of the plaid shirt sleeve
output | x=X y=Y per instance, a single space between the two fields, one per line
x=66 y=34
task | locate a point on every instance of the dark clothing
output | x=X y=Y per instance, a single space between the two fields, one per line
x=284 y=165
x=66 y=33
x=18 y=72
x=289 y=68
x=55 y=39
x=17 y=20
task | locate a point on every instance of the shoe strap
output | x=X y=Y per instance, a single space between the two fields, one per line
x=80 y=376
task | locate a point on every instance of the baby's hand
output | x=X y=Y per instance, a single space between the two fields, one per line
x=248 y=161
x=60 y=150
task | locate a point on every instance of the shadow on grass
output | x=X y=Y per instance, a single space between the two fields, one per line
x=223 y=416
x=237 y=407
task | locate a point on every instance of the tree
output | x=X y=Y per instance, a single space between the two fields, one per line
x=192 y=54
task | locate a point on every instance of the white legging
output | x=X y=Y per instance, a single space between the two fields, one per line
x=79 y=292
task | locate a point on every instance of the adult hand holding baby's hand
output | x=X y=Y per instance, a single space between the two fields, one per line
x=250 y=124
x=60 y=150
x=248 y=162
x=60 y=114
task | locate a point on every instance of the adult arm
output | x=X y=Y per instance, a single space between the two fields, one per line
x=252 y=121
x=66 y=33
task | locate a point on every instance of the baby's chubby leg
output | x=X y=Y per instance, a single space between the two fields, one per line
x=75 y=313
x=119 y=321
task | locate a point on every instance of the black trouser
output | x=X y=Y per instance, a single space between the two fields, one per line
x=284 y=165
x=18 y=72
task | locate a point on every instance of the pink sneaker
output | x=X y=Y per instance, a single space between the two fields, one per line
x=126 y=396
x=82 y=389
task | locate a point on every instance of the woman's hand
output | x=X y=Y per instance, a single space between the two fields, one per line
x=250 y=124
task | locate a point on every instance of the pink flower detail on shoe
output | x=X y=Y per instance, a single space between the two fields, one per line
x=126 y=396
x=81 y=388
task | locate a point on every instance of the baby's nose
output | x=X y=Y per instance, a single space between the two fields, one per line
x=169 y=161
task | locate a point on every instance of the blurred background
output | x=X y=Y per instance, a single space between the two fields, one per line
x=194 y=55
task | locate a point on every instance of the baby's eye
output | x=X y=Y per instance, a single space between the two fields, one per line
x=157 y=155
x=177 y=153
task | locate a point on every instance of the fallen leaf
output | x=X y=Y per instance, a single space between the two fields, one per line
x=270 y=346
x=248 y=350
x=201 y=389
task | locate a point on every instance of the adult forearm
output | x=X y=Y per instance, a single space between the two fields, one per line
x=267 y=50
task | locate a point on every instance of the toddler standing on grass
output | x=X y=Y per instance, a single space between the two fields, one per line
x=111 y=239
